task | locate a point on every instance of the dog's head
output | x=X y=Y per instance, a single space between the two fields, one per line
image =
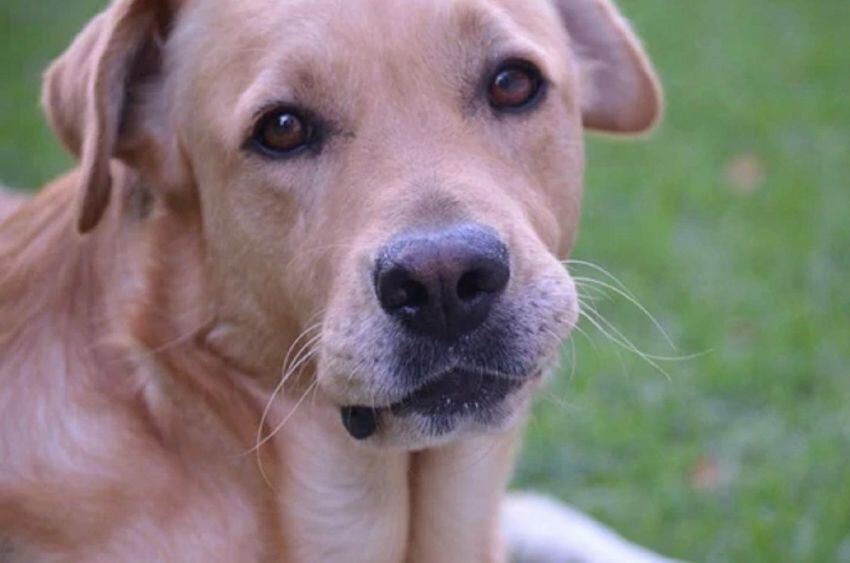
x=400 y=177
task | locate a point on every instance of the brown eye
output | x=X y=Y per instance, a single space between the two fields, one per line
x=515 y=86
x=282 y=133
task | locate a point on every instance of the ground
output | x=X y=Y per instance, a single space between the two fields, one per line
x=731 y=225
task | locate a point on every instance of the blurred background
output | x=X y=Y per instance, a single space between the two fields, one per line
x=730 y=225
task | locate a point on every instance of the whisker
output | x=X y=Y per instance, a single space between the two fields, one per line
x=278 y=429
x=559 y=402
x=299 y=359
x=593 y=293
x=583 y=332
x=295 y=342
x=625 y=343
x=601 y=270
x=573 y=360
x=632 y=300
x=661 y=358
x=551 y=397
x=286 y=419
x=315 y=391
x=302 y=359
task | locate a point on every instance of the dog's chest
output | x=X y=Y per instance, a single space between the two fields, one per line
x=320 y=498
x=137 y=499
x=219 y=511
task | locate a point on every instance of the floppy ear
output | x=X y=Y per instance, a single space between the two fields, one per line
x=87 y=93
x=620 y=92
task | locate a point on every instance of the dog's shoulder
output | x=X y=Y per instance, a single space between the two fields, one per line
x=10 y=201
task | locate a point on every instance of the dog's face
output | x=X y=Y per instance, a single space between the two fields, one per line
x=397 y=181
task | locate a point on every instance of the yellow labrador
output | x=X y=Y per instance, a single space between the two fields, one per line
x=294 y=300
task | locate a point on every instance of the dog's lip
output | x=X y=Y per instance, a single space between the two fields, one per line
x=459 y=390
x=455 y=393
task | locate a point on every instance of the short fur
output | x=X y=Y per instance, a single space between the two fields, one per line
x=148 y=299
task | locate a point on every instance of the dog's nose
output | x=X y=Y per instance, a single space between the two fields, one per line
x=442 y=283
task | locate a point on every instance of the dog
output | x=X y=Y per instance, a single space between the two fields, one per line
x=294 y=300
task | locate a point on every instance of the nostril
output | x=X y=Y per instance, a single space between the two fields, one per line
x=397 y=290
x=414 y=295
x=488 y=279
x=471 y=285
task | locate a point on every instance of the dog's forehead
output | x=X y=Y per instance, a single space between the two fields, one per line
x=392 y=17
x=253 y=30
x=348 y=57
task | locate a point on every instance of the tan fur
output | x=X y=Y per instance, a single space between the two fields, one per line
x=136 y=360
x=9 y=202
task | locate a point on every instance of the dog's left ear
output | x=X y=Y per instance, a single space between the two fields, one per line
x=620 y=92
x=94 y=96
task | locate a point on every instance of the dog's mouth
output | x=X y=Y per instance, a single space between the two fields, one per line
x=457 y=393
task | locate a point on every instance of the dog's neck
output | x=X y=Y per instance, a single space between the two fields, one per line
x=129 y=299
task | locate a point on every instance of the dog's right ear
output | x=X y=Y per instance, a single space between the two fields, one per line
x=87 y=93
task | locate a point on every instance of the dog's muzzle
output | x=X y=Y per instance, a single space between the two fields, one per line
x=439 y=287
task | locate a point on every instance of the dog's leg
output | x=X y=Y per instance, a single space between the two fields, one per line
x=456 y=493
x=541 y=530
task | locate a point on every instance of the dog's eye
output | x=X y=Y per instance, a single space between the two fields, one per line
x=282 y=133
x=515 y=86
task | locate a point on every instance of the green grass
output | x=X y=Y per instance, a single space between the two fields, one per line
x=743 y=453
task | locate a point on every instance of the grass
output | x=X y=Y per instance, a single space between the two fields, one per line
x=731 y=224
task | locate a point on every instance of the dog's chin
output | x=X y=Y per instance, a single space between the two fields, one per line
x=458 y=405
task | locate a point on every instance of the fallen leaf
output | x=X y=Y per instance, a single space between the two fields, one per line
x=706 y=475
x=745 y=173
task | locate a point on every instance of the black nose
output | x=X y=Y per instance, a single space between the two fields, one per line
x=442 y=283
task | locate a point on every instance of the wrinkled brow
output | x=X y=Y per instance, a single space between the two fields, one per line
x=489 y=31
x=461 y=42
x=302 y=81
x=485 y=27
x=487 y=34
